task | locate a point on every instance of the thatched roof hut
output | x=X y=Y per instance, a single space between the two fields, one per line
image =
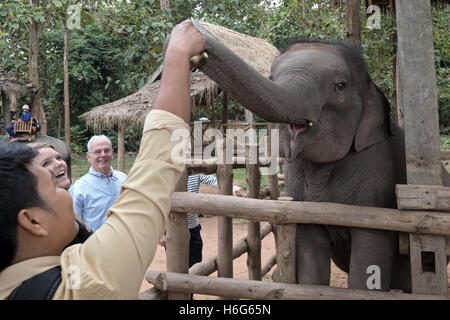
x=132 y=110
x=10 y=90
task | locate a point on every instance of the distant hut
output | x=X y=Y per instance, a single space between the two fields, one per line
x=132 y=110
x=10 y=90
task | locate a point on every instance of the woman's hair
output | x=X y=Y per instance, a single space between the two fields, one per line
x=40 y=145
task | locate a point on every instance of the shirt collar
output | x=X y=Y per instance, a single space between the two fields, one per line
x=26 y=269
x=101 y=175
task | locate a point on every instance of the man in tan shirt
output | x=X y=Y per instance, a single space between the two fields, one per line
x=111 y=263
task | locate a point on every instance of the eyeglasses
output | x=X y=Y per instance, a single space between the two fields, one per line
x=99 y=152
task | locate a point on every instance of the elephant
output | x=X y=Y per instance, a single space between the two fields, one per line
x=59 y=146
x=340 y=146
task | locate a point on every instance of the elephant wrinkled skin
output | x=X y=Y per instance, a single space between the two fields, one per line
x=340 y=146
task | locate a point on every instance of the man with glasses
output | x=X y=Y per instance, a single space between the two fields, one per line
x=94 y=193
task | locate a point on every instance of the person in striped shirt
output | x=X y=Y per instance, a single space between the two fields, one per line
x=196 y=242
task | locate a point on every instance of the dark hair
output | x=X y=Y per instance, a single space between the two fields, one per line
x=18 y=190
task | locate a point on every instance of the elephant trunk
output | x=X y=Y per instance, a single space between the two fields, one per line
x=279 y=102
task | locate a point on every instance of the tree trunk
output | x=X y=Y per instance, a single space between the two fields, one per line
x=36 y=103
x=335 y=3
x=66 y=85
x=121 y=147
x=165 y=4
x=353 y=21
x=303 y=4
x=13 y=102
x=58 y=132
x=6 y=113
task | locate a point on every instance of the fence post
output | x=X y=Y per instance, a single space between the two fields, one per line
x=253 y=179
x=272 y=178
x=177 y=244
x=418 y=98
x=225 y=225
x=285 y=247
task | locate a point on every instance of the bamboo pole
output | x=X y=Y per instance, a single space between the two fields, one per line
x=225 y=225
x=269 y=264
x=205 y=268
x=177 y=244
x=426 y=222
x=272 y=178
x=253 y=179
x=251 y=289
x=121 y=147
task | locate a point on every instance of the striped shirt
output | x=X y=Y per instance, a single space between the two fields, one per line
x=193 y=185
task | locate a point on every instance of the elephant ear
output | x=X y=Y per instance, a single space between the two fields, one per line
x=375 y=124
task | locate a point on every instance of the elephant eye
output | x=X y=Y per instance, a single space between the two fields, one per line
x=270 y=77
x=341 y=85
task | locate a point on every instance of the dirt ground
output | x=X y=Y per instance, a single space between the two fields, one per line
x=209 y=236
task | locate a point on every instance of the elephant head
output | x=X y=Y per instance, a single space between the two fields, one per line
x=321 y=92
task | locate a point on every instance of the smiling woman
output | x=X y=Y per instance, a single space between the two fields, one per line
x=51 y=159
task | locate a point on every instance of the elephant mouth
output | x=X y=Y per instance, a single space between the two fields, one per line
x=295 y=129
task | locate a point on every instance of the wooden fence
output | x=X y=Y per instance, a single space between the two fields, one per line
x=423 y=202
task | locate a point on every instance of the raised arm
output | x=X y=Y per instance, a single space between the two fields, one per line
x=173 y=94
x=113 y=261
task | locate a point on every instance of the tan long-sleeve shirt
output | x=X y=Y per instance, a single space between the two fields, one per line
x=112 y=263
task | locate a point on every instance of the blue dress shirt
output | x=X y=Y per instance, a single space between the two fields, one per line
x=94 y=193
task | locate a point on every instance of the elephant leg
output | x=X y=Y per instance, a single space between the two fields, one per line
x=313 y=254
x=372 y=258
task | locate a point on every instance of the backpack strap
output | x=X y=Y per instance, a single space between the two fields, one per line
x=40 y=287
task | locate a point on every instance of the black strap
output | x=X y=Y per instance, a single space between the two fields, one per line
x=83 y=233
x=43 y=285
x=40 y=287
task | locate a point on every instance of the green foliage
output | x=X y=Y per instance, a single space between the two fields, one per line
x=120 y=44
x=445 y=142
x=79 y=138
x=440 y=14
x=80 y=165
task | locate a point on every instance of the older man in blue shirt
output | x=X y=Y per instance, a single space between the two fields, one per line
x=94 y=193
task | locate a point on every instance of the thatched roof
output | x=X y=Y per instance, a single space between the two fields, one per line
x=133 y=109
x=12 y=85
